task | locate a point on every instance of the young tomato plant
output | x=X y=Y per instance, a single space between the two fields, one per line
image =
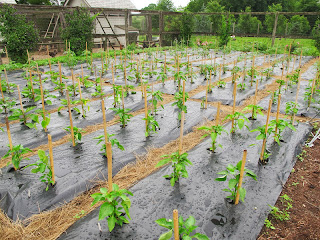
x=113 y=142
x=45 y=119
x=23 y=116
x=77 y=132
x=239 y=120
x=179 y=163
x=214 y=131
x=7 y=104
x=221 y=84
x=255 y=110
x=43 y=166
x=123 y=115
x=110 y=207
x=156 y=97
x=242 y=86
x=291 y=109
x=234 y=172
x=17 y=153
x=185 y=229
x=280 y=125
x=152 y=124
x=178 y=96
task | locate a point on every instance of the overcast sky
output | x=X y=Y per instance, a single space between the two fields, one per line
x=143 y=3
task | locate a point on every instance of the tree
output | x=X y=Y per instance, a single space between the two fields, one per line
x=197 y=5
x=269 y=19
x=18 y=34
x=214 y=6
x=79 y=30
x=187 y=24
x=34 y=2
x=299 y=25
x=247 y=23
x=316 y=34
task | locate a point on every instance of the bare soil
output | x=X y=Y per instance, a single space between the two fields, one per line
x=303 y=188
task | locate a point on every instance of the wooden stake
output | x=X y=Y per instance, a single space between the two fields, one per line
x=19 y=94
x=109 y=157
x=145 y=106
x=74 y=88
x=266 y=131
x=80 y=94
x=42 y=100
x=252 y=70
x=1 y=89
x=6 y=75
x=30 y=74
x=60 y=75
x=5 y=48
x=9 y=133
x=312 y=89
x=207 y=89
x=256 y=92
x=234 y=101
x=49 y=64
x=244 y=158
x=104 y=123
x=28 y=56
x=181 y=132
x=176 y=225
x=70 y=117
x=278 y=110
x=300 y=59
x=218 y=113
x=297 y=94
x=51 y=158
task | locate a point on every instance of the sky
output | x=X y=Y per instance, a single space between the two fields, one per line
x=144 y=3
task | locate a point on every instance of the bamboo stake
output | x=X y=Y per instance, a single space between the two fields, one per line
x=104 y=123
x=220 y=73
x=49 y=64
x=42 y=100
x=207 y=89
x=244 y=158
x=312 y=89
x=48 y=51
x=278 y=110
x=28 y=56
x=9 y=134
x=181 y=132
x=60 y=75
x=102 y=63
x=51 y=158
x=218 y=113
x=234 y=102
x=74 y=88
x=109 y=157
x=146 y=106
x=70 y=117
x=1 y=89
x=244 y=67
x=297 y=94
x=30 y=74
x=122 y=98
x=256 y=93
x=19 y=94
x=252 y=70
x=266 y=131
x=80 y=94
x=300 y=59
x=176 y=225
x=7 y=81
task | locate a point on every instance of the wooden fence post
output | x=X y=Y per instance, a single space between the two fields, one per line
x=275 y=28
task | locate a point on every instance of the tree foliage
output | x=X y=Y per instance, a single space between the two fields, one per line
x=18 y=34
x=79 y=30
x=247 y=23
x=269 y=19
x=216 y=20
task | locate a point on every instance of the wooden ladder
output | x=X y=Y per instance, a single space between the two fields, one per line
x=110 y=26
x=52 y=27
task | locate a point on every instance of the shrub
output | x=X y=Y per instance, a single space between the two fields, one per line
x=19 y=34
x=299 y=25
x=224 y=37
x=316 y=34
x=79 y=30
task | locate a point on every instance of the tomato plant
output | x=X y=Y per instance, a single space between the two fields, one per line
x=17 y=153
x=214 y=131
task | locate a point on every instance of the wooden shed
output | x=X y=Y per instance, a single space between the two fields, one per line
x=110 y=25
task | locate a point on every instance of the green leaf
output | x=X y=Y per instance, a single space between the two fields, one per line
x=200 y=236
x=106 y=210
x=242 y=192
x=186 y=237
x=111 y=223
x=240 y=123
x=260 y=136
x=221 y=179
x=166 y=236
x=42 y=154
x=163 y=162
x=163 y=222
x=190 y=222
x=232 y=183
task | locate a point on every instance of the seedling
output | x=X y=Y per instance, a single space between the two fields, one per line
x=179 y=163
x=7 y=87
x=64 y=103
x=221 y=84
x=255 y=110
x=242 y=86
x=17 y=153
x=124 y=116
x=235 y=70
x=268 y=224
x=293 y=78
x=42 y=166
x=23 y=116
x=45 y=119
x=234 y=173
x=110 y=207
x=152 y=125
x=113 y=142
x=281 y=83
x=291 y=109
x=7 y=104
x=156 y=97
x=278 y=214
x=185 y=229
x=77 y=133
x=178 y=96
x=239 y=120
x=80 y=214
x=267 y=72
x=281 y=125
x=214 y=131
